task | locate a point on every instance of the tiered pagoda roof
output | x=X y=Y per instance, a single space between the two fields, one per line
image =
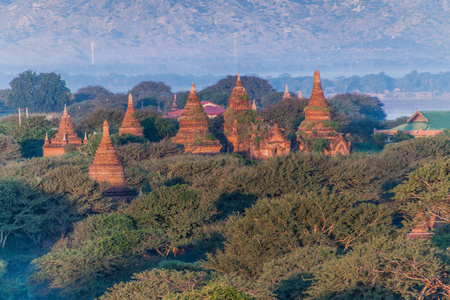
x=107 y=167
x=318 y=124
x=64 y=137
x=130 y=125
x=239 y=100
x=194 y=133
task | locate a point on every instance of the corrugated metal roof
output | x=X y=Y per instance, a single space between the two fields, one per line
x=437 y=120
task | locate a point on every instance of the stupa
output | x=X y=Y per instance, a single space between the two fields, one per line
x=318 y=125
x=64 y=139
x=107 y=167
x=130 y=125
x=239 y=100
x=194 y=133
x=286 y=95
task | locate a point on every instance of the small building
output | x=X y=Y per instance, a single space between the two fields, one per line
x=422 y=124
x=212 y=110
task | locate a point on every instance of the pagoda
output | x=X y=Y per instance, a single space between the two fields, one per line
x=274 y=143
x=239 y=100
x=286 y=95
x=64 y=138
x=130 y=125
x=318 y=125
x=107 y=167
x=194 y=133
x=239 y=107
x=248 y=134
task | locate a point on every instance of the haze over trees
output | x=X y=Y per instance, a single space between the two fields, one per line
x=300 y=226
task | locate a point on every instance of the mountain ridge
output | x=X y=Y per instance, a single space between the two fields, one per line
x=187 y=37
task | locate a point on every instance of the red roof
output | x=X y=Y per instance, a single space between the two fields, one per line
x=211 y=109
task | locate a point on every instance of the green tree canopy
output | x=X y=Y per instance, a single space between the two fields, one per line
x=44 y=92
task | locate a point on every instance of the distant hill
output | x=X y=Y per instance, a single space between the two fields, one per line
x=198 y=37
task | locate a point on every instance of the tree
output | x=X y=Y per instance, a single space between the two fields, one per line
x=91 y=93
x=401 y=136
x=273 y=227
x=156 y=284
x=82 y=265
x=44 y=92
x=177 y=210
x=380 y=139
x=385 y=268
x=24 y=211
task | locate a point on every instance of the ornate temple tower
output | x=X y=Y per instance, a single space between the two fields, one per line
x=107 y=167
x=130 y=125
x=318 y=125
x=194 y=133
x=239 y=107
x=64 y=138
x=239 y=100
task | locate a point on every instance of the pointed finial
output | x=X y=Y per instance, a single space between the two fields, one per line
x=286 y=89
x=300 y=96
x=130 y=99
x=65 y=109
x=192 y=87
x=85 y=137
x=316 y=76
x=46 y=137
x=105 y=128
x=254 y=105
x=238 y=81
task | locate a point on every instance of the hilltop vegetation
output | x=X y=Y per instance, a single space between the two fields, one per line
x=300 y=226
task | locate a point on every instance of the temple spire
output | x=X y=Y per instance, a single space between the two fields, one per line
x=317 y=98
x=130 y=124
x=46 y=141
x=65 y=110
x=174 y=103
x=85 y=138
x=254 y=105
x=193 y=88
x=300 y=96
x=105 y=128
x=238 y=81
x=286 y=95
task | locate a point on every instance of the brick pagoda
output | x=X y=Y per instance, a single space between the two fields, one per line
x=318 y=125
x=64 y=138
x=130 y=125
x=107 y=167
x=239 y=107
x=248 y=134
x=194 y=133
x=272 y=144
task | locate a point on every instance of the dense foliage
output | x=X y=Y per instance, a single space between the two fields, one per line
x=300 y=226
x=44 y=92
